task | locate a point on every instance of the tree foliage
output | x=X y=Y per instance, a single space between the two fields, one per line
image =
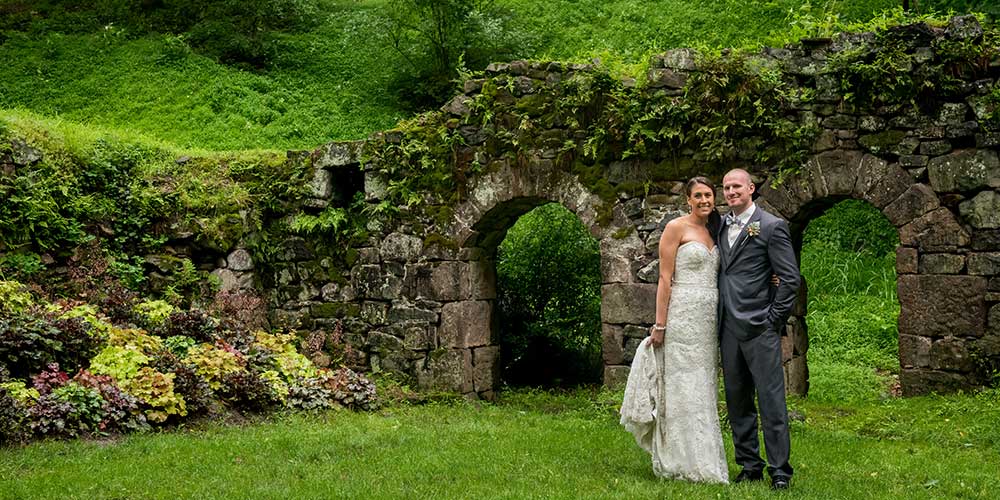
x=437 y=39
x=549 y=300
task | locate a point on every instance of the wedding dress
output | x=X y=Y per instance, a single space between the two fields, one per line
x=671 y=397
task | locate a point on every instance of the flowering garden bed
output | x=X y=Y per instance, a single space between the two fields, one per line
x=70 y=368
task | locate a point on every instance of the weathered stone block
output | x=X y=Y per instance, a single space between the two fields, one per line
x=965 y=170
x=796 y=376
x=838 y=172
x=239 y=260
x=879 y=182
x=449 y=280
x=882 y=142
x=486 y=368
x=628 y=303
x=939 y=306
x=941 y=263
x=402 y=311
x=617 y=255
x=987 y=139
x=416 y=335
x=650 y=273
x=675 y=59
x=935 y=148
x=982 y=211
x=787 y=348
x=780 y=199
x=335 y=310
x=294 y=249
x=400 y=247
x=466 y=324
x=337 y=154
x=374 y=313
x=631 y=346
x=230 y=281
x=993 y=323
x=918 y=382
x=370 y=281
x=613 y=342
x=913 y=161
x=986 y=239
x=951 y=354
x=935 y=231
x=368 y=255
x=984 y=263
x=913 y=203
x=636 y=332
x=447 y=370
x=376 y=187
x=388 y=353
x=667 y=78
x=914 y=351
x=952 y=113
x=321 y=184
x=615 y=376
x=482 y=280
x=417 y=280
x=965 y=27
x=841 y=122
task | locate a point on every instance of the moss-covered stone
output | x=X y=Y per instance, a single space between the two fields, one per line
x=335 y=310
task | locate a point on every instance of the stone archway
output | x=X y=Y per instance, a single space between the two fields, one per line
x=940 y=309
x=468 y=331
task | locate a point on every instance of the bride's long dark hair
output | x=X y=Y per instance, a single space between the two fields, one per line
x=714 y=219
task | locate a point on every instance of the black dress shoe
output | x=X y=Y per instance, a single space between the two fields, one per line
x=779 y=483
x=749 y=475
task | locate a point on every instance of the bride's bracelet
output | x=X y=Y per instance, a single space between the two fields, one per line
x=657 y=328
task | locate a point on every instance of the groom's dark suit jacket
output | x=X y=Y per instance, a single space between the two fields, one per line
x=750 y=302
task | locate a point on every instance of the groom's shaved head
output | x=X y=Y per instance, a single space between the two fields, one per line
x=745 y=176
x=738 y=189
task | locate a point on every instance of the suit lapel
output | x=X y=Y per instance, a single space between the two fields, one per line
x=743 y=237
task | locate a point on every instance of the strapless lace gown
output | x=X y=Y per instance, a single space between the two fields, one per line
x=671 y=397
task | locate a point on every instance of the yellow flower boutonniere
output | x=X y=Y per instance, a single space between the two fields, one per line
x=753 y=229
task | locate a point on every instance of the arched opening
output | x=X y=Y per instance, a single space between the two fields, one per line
x=548 y=306
x=847 y=256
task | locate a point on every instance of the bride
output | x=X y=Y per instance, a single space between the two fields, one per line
x=671 y=396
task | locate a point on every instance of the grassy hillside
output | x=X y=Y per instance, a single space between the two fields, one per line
x=334 y=79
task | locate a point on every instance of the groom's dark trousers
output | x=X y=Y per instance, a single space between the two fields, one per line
x=751 y=314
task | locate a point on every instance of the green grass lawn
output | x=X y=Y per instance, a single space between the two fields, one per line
x=529 y=445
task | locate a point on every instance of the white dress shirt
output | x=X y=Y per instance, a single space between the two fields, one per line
x=734 y=229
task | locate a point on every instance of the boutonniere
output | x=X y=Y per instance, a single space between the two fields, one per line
x=753 y=229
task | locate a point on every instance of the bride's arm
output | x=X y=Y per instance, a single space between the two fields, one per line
x=669 y=242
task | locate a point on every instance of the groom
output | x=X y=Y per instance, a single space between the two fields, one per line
x=755 y=245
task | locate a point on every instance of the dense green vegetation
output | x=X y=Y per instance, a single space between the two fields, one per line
x=849 y=263
x=549 y=301
x=319 y=70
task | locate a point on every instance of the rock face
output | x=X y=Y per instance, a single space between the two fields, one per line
x=418 y=296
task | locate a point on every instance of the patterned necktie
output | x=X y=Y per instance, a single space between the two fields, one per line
x=732 y=218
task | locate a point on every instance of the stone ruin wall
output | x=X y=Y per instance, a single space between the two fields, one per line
x=425 y=310
x=418 y=297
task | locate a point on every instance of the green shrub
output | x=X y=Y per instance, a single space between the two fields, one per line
x=11 y=416
x=15 y=298
x=156 y=391
x=28 y=343
x=154 y=312
x=214 y=363
x=120 y=363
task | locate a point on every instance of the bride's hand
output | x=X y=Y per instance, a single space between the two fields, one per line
x=655 y=337
x=775 y=280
